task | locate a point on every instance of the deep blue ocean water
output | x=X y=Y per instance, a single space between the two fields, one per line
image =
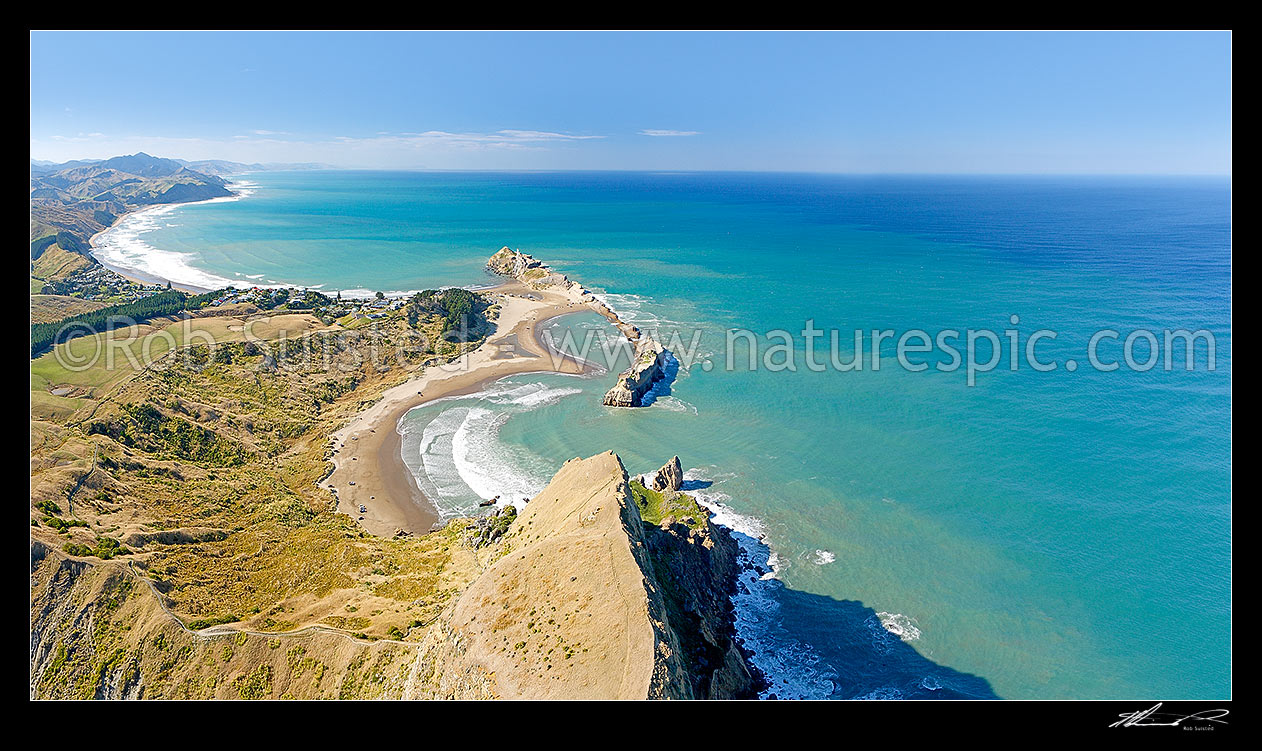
x=1037 y=534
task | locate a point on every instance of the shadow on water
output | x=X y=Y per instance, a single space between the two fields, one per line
x=867 y=660
x=662 y=387
x=815 y=646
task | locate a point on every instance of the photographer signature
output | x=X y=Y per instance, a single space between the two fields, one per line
x=1152 y=718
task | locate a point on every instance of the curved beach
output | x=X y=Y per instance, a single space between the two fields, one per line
x=368 y=463
x=104 y=252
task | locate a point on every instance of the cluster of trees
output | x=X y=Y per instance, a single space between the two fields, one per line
x=457 y=307
x=105 y=549
x=308 y=300
x=147 y=428
x=170 y=302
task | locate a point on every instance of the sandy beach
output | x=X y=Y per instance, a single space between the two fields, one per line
x=142 y=277
x=135 y=275
x=367 y=459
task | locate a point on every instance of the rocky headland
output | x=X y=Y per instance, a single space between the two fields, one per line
x=595 y=594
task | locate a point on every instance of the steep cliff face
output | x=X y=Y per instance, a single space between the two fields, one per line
x=584 y=597
x=636 y=381
x=695 y=568
x=590 y=602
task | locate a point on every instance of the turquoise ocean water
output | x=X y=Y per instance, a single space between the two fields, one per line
x=1038 y=534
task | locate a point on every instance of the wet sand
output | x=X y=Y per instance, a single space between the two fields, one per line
x=368 y=448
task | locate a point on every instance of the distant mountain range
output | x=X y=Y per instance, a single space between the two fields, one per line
x=72 y=201
x=149 y=166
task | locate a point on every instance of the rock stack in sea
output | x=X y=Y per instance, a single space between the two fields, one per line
x=634 y=382
x=669 y=478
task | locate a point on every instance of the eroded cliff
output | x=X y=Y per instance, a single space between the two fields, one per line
x=601 y=588
x=591 y=601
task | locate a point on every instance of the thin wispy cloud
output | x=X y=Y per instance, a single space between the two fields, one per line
x=433 y=148
x=660 y=133
x=500 y=139
x=543 y=135
x=78 y=137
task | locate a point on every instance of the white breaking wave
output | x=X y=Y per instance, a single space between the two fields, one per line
x=481 y=462
x=458 y=459
x=823 y=557
x=530 y=395
x=886 y=693
x=675 y=404
x=793 y=669
x=886 y=629
x=123 y=245
x=244 y=189
x=899 y=625
x=438 y=477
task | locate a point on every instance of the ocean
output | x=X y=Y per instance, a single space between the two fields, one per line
x=913 y=533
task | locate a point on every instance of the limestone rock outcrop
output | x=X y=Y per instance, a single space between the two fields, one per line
x=669 y=477
x=526 y=269
x=648 y=368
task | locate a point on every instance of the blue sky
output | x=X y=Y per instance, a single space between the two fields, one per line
x=1122 y=103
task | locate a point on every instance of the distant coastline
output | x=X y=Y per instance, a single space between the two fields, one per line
x=144 y=276
x=134 y=274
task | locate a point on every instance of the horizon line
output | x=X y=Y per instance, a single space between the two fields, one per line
x=680 y=171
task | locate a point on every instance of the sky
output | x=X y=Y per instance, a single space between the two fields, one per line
x=857 y=102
